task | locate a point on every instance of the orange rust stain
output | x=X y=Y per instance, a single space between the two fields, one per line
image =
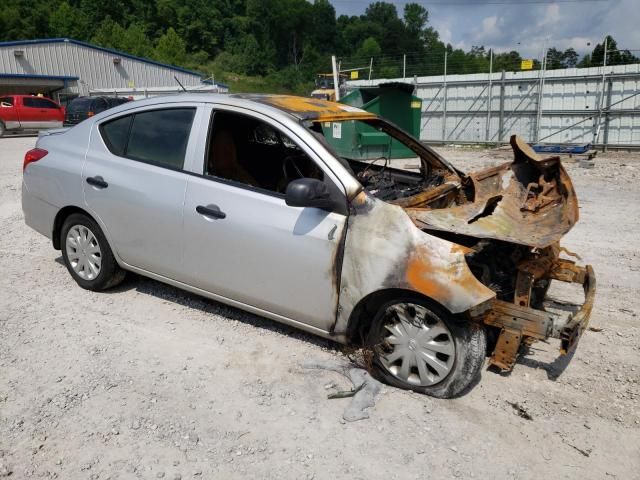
x=326 y=110
x=455 y=248
x=420 y=275
x=435 y=281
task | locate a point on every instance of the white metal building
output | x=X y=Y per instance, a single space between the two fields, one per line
x=573 y=106
x=63 y=68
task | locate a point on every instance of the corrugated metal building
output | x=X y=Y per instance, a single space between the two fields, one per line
x=63 y=68
x=574 y=105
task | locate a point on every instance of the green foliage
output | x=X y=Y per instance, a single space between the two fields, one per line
x=271 y=45
x=170 y=48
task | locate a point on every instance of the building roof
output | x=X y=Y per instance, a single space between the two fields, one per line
x=36 y=76
x=18 y=43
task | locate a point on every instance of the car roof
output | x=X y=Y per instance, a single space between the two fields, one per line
x=300 y=108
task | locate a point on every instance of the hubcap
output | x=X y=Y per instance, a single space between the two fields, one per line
x=83 y=252
x=418 y=348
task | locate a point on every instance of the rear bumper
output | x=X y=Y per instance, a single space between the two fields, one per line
x=38 y=214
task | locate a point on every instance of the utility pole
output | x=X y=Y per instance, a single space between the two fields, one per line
x=489 y=95
x=336 y=85
x=444 y=104
x=370 y=67
x=404 y=66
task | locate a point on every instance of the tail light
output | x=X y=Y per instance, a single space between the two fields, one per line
x=90 y=114
x=33 y=155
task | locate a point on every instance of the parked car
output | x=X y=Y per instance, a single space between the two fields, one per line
x=28 y=112
x=242 y=199
x=81 y=108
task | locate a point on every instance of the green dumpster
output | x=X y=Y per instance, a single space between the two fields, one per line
x=394 y=102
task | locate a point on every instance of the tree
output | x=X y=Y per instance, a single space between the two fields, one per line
x=369 y=48
x=65 y=21
x=170 y=48
x=570 y=58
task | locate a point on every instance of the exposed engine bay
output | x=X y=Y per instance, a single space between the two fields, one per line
x=510 y=219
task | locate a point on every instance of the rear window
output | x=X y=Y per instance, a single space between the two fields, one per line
x=37 y=102
x=161 y=136
x=158 y=136
x=115 y=134
x=79 y=105
x=7 y=100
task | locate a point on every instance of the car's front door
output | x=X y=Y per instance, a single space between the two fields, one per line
x=134 y=184
x=243 y=242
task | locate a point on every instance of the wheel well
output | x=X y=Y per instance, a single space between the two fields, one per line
x=360 y=319
x=59 y=221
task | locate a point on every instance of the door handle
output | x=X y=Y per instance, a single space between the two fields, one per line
x=211 y=211
x=97 y=182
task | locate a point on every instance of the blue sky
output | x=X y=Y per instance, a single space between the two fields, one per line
x=507 y=24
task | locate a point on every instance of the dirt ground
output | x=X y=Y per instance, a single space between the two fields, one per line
x=147 y=381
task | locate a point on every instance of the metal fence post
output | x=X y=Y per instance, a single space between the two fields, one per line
x=607 y=117
x=501 y=118
x=444 y=104
x=489 y=95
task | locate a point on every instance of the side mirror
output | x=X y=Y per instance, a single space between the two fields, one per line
x=308 y=192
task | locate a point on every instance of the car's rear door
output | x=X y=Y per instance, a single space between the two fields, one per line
x=256 y=249
x=41 y=112
x=134 y=183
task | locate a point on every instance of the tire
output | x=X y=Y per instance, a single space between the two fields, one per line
x=444 y=355
x=2 y=129
x=87 y=254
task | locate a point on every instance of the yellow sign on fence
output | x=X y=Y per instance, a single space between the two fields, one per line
x=354 y=75
x=526 y=64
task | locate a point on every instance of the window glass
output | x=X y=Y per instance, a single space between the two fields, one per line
x=249 y=151
x=7 y=100
x=160 y=136
x=115 y=134
x=79 y=105
x=99 y=105
x=37 y=102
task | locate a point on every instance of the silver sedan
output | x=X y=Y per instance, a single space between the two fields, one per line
x=291 y=208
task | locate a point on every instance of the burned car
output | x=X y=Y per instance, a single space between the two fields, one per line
x=290 y=208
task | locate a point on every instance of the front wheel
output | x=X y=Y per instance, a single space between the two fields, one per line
x=87 y=254
x=2 y=129
x=419 y=346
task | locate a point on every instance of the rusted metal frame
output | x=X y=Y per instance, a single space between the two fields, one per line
x=427 y=195
x=579 y=322
x=528 y=321
x=506 y=351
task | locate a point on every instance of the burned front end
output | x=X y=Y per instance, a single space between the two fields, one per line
x=510 y=220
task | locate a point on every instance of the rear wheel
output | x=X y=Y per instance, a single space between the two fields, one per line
x=419 y=346
x=87 y=254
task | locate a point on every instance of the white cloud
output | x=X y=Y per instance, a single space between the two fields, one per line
x=524 y=27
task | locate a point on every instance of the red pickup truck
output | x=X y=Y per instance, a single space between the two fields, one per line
x=28 y=112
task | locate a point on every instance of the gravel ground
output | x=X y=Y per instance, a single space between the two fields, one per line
x=147 y=381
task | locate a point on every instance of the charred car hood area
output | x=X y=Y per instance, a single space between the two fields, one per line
x=530 y=201
x=509 y=221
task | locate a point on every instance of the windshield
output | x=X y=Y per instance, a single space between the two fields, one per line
x=378 y=154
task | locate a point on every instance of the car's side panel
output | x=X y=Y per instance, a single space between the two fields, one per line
x=54 y=181
x=141 y=209
x=385 y=250
x=264 y=253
